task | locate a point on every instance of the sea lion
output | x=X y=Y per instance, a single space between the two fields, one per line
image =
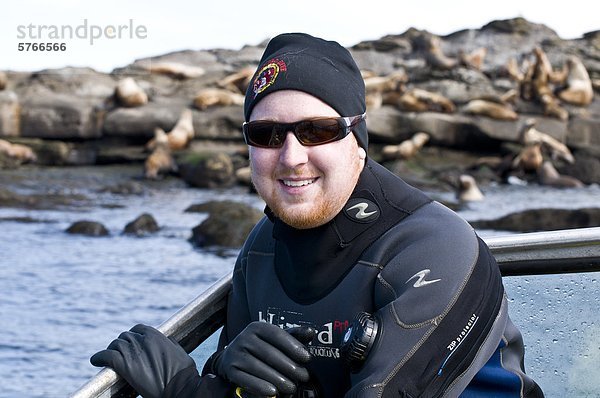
x=530 y=158
x=22 y=153
x=393 y=82
x=434 y=56
x=130 y=94
x=175 y=70
x=183 y=132
x=544 y=65
x=548 y=175
x=3 y=80
x=238 y=81
x=216 y=97
x=474 y=59
x=513 y=70
x=373 y=100
x=538 y=83
x=468 y=191
x=180 y=136
x=509 y=97
x=419 y=100
x=160 y=160
x=407 y=148
x=490 y=109
x=529 y=135
x=579 y=90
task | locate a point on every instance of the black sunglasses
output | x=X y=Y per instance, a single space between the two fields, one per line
x=309 y=132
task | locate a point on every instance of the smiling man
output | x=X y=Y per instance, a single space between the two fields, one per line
x=355 y=284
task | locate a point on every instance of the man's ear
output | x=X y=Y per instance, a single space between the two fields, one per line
x=362 y=154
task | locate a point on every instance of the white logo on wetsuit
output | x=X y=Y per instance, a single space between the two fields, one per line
x=361 y=210
x=421 y=281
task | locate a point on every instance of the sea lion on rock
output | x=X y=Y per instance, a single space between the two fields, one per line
x=180 y=136
x=130 y=94
x=536 y=85
x=373 y=100
x=238 y=81
x=468 y=191
x=490 y=109
x=216 y=97
x=548 y=175
x=579 y=90
x=513 y=70
x=175 y=70
x=530 y=135
x=406 y=149
x=3 y=80
x=160 y=160
x=22 y=153
x=434 y=56
x=474 y=59
x=419 y=100
x=393 y=82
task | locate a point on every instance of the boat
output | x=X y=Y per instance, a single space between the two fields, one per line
x=535 y=253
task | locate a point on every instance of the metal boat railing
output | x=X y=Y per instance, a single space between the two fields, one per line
x=537 y=253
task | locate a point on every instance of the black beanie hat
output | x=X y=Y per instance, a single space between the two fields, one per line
x=323 y=69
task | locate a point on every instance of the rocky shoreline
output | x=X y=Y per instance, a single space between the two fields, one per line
x=497 y=103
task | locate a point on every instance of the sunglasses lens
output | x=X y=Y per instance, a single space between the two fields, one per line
x=321 y=131
x=263 y=134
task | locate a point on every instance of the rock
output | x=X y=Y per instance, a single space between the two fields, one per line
x=586 y=167
x=88 y=228
x=143 y=225
x=543 y=220
x=10 y=112
x=38 y=202
x=388 y=124
x=12 y=199
x=77 y=83
x=60 y=153
x=227 y=225
x=583 y=133
x=207 y=170
x=60 y=116
x=125 y=188
x=220 y=123
x=141 y=121
x=8 y=162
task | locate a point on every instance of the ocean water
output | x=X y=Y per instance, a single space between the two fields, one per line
x=64 y=297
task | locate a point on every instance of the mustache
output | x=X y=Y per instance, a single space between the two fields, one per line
x=299 y=172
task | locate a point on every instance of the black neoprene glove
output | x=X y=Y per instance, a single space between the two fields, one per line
x=157 y=367
x=266 y=360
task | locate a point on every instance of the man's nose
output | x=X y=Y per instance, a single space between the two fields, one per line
x=292 y=153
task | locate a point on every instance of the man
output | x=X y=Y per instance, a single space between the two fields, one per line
x=342 y=237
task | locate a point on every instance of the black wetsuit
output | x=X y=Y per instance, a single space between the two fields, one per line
x=432 y=284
